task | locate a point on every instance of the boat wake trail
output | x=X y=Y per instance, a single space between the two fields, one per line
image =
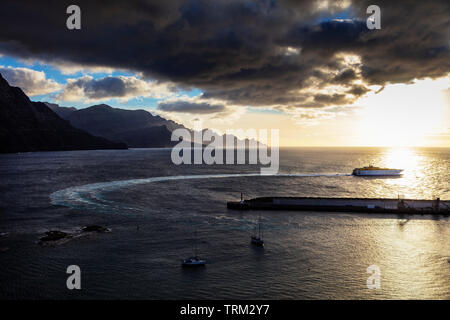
x=89 y=196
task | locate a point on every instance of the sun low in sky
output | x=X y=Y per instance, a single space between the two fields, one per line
x=311 y=69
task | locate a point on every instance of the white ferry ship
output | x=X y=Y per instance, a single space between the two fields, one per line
x=376 y=171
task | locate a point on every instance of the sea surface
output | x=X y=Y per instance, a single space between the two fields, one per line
x=154 y=208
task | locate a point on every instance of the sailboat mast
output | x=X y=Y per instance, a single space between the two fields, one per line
x=259 y=226
x=195 y=243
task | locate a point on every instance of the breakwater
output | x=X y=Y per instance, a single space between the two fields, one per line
x=366 y=205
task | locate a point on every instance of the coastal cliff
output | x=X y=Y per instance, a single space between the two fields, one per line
x=31 y=126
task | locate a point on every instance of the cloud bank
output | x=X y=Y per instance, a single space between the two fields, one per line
x=87 y=88
x=191 y=107
x=286 y=54
x=33 y=83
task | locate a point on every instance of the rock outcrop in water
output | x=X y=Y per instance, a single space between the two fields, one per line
x=57 y=237
x=32 y=126
x=95 y=228
x=54 y=235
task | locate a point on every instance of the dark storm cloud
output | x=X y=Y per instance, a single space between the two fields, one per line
x=105 y=87
x=345 y=76
x=191 y=107
x=122 y=87
x=333 y=99
x=358 y=90
x=329 y=36
x=244 y=52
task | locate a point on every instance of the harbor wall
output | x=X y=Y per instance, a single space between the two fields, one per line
x=378 y=205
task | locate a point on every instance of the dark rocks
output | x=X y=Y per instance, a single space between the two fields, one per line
x=54 y=235
x=95 y=228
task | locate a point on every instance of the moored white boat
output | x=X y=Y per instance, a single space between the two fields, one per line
x=194 y=261
x=257 y=239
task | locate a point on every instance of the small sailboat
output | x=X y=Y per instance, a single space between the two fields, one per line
x=257 y=239
x=194 y=261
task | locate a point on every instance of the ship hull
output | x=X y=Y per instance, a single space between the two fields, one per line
x=257 y=241
x=377 y=172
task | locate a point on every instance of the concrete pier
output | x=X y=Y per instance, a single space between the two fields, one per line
x=367 y=205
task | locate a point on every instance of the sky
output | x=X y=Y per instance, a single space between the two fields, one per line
x=311 y=69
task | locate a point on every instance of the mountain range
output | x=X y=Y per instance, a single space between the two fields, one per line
x=26 y=125
x=136 y=128
x=31 y=126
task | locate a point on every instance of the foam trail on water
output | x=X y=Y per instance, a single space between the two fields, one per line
x=88 y=196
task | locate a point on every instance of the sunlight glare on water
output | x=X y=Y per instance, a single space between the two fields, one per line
x=423 y=173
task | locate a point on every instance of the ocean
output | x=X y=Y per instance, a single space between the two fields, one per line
x=154 y=208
